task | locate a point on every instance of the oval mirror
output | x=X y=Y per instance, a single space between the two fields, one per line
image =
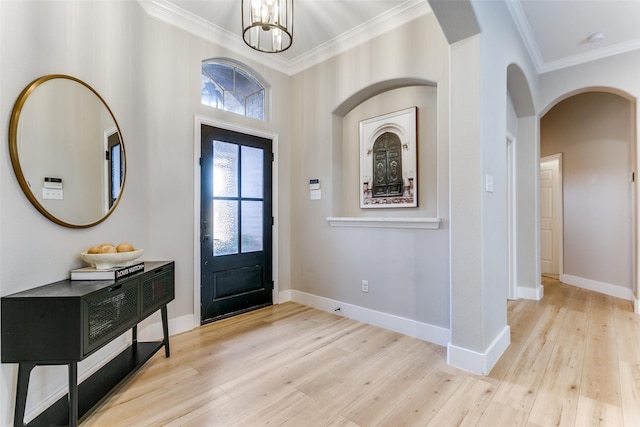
x=67 y=151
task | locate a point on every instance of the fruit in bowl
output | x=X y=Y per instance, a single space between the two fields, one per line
x=107 y=255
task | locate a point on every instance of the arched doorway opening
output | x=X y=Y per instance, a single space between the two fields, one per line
x=593 y=130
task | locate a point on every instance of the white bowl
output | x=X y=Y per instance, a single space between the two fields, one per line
x=107 y=261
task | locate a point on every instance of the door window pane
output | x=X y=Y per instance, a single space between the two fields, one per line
x=225 y=169
x=252 y=226
x=225 y=227
x=252 y=167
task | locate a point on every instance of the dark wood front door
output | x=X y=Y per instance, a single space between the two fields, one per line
x=235 y=223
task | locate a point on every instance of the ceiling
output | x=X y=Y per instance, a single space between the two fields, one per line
x=555 y=31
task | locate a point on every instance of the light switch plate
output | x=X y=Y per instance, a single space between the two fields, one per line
x=488 y=183
x=52 y=193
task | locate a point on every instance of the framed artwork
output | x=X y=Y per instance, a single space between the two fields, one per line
x=388 y=161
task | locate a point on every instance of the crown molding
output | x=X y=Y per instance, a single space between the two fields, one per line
x=593 y=55
x=520 y=20
x=522 y=24
x=187 y=21
x=393 y=18
x=171 y=14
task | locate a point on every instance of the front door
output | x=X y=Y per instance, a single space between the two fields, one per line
x=235 y=223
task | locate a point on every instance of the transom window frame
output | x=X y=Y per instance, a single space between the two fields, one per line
x=246 y=72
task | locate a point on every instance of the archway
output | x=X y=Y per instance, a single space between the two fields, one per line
x=593 y=129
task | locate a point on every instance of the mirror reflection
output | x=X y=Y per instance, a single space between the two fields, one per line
x=67 y=151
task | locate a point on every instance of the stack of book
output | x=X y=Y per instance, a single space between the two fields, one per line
x=116 y=273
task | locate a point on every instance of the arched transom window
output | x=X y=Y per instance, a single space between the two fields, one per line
x=228 y=87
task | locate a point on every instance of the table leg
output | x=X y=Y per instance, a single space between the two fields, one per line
x=73 y=394
x=165 y=329
x=24 y=372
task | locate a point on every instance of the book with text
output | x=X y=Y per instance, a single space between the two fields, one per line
x=116 y=273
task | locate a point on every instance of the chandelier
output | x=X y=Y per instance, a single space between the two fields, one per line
x=267 y=25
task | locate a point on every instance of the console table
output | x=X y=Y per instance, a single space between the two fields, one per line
x=64 y=322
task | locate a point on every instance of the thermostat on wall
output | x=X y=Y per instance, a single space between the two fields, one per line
x=314 y=189
x=52 y=188
x=52 y=182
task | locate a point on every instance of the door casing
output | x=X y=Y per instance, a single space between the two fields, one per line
x=512 y=263
x=556 y=160
x=198 y=122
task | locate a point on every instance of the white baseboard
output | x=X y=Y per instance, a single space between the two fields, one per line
x=603 y=288
x=153 y=331
x=535 y=294
x=479 y=363
x=284 y=296
x=424 y=331
x=636 y=306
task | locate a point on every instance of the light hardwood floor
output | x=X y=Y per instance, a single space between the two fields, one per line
x=574 y=360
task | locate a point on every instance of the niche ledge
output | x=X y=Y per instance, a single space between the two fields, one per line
x=419 y=223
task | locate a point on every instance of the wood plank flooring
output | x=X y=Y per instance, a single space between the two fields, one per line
x=574 y=360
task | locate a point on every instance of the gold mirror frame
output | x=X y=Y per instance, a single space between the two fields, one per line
x=15 y=158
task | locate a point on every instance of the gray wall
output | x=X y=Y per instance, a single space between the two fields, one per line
x=408 y=270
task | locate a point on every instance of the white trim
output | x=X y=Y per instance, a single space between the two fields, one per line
x=559 y=204
x=424 y=331
x=636 y=306
x=283 y=296
x=512 y=215
x=535 y=294
x=601 y=287
x=419 y=223
x=177 y=325
x=522 y=24
x=405 y=12
x=582 y=58
x=197 y=122
x=479 y=363
x=168 y=12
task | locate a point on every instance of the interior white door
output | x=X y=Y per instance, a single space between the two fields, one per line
x=550 y=215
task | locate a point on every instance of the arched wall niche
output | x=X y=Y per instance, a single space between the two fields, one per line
x=376 y=100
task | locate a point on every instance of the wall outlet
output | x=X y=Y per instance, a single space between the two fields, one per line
x=365 y=286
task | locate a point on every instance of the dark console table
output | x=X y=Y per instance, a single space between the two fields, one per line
x=64 y=322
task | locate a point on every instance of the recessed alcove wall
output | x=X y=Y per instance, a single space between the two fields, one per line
x=346 y=151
